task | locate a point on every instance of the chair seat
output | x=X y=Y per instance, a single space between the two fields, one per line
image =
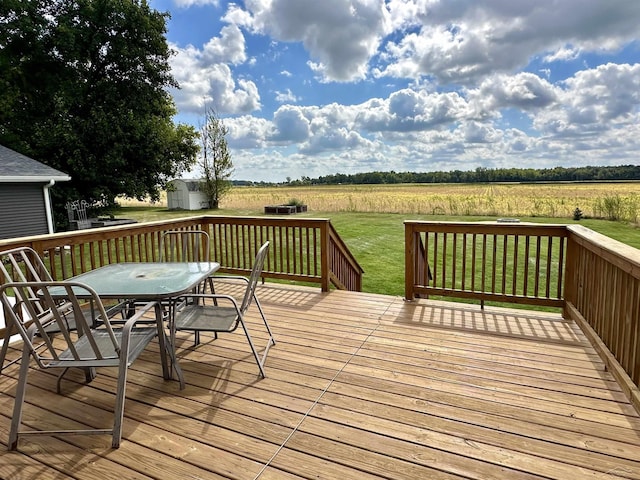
x=206 y=318
x=139 y=339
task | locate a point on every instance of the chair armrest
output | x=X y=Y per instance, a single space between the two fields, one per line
x=212 y=296
x=230 y=277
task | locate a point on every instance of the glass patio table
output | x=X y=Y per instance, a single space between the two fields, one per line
x=150 y=281
x=146 y=280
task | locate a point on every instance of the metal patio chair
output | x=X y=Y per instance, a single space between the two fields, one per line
x=88 y=347
x=23 y=264
x=186 y=246
x=227 y=314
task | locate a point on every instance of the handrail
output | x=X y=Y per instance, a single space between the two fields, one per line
x=302 y=249
x=517 y=263
x=604 y=299
x=345 y=271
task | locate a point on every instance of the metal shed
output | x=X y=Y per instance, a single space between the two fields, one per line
x=25 y=203
x=185 y=194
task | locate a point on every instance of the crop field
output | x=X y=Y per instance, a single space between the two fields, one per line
x=613 y=201
x=609 y=201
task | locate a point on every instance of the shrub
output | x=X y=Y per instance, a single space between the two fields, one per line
x=577 y=214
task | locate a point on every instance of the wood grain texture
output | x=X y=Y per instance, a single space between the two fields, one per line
x=359 y=386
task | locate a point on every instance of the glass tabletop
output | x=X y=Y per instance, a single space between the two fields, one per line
x=151 y=281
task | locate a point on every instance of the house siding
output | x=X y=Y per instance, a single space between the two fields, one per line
x=22 y=210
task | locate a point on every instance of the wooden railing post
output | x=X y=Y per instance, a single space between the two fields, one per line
x=325 y=257
x=410 y=253
x=572 y=279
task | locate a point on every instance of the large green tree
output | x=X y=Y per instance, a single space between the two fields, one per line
x=83 y=88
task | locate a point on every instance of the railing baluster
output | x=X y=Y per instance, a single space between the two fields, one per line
x=515 y=269
x=504 y=272
x=494 y=264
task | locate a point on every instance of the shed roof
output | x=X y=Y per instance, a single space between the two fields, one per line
x=15 y=167
x=192 y=184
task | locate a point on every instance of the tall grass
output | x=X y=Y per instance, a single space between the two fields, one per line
x=617 y=207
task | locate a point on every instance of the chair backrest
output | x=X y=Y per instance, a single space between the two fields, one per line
x=256 y=273
x=23 y=264
x=60 y=301
x=184 y=246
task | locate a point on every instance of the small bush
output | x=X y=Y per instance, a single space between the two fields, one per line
x=577 y=214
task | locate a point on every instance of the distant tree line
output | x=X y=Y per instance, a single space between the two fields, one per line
x=479 y=175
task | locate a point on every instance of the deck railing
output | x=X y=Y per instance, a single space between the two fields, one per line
x=304 y=250
x=517 y=263
x=594 y=279
x=603 y=296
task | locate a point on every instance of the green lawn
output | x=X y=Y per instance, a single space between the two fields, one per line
x=377 y=239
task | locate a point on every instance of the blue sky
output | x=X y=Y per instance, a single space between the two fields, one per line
x=315 y=87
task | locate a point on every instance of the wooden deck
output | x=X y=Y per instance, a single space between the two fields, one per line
x=358 y=386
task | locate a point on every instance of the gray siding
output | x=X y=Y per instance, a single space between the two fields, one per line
x=22 y=210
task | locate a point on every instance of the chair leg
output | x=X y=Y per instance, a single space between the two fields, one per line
x=10 y=330
x=16 y=419
x=259 y=361
x=264 y=319
x=5 y=348
x=118 y=409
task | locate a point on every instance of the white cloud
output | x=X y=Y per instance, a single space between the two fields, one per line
x=340 y=35
x=596 y=100
x=340 y=139
x=564 y=53
x=286 y=97
x=290 y=125
x=475 y=132
x=247 y=132
x=229 y=47
x=461 y=41
x=202 y=85
x=411 y=110
x=524 y=91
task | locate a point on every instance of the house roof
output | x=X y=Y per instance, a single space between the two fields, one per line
x=15 y=167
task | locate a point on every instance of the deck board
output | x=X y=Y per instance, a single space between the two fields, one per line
x=358 y=386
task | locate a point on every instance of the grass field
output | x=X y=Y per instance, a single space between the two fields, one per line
x=370 y=218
